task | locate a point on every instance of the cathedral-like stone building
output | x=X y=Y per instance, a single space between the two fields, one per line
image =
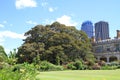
x=107 y=50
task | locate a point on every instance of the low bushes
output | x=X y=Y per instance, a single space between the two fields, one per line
x=8 y=74
x=77 y=65
x=23 y=71
x=103 y=66
x=46 y=66
x=96 y=66
x=27 y=71
x=4 y=65
x=107 y=67
x=71 y=66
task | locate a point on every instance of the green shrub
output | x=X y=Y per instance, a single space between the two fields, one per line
x=4 y=65
x=77 y=65
x=46 y=66
x=114 y=63
x=19 y=72
x=8 y=74
x=118 y=67
x=71 y=66
x=107 y=67
x=1 y=59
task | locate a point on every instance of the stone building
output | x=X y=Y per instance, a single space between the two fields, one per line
x=107 y=50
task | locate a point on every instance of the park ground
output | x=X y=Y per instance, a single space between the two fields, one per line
x=81 y=75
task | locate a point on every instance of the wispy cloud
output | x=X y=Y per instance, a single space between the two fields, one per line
x=20 y=4
x=31 y=22
x=11 y=34
x=51 y=9
x=11 y=24
x=48 y=7
x=4 y=22
x=44 y=4
x=1 y=25
x=66 y=20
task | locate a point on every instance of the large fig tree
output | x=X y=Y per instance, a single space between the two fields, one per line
x=56 y=43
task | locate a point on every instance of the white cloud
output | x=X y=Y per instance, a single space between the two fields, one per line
x=20 y=4
x=51 y=9
x=66 y=20
x=10 y=34
x=1 y=25
x=31 y=22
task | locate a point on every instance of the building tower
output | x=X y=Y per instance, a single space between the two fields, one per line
x=101 y=30
x=118 y=34
x=87 y=27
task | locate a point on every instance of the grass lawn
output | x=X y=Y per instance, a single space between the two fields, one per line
x=81 y=75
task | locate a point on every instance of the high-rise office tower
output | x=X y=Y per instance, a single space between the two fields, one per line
x=101 y=30
x=87 y=27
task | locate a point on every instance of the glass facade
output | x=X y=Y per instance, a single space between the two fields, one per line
x=87 y=27
x=101 y=30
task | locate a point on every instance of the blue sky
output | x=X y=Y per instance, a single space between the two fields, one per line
x=19 y=16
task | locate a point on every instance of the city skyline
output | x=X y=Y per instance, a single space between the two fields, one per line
x=19 y=16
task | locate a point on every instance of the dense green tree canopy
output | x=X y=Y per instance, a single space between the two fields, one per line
x=55 y=43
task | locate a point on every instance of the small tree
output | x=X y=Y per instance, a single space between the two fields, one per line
x=3 y=55
x=12 y=57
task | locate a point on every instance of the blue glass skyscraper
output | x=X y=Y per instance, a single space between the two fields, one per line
x=87 y=27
